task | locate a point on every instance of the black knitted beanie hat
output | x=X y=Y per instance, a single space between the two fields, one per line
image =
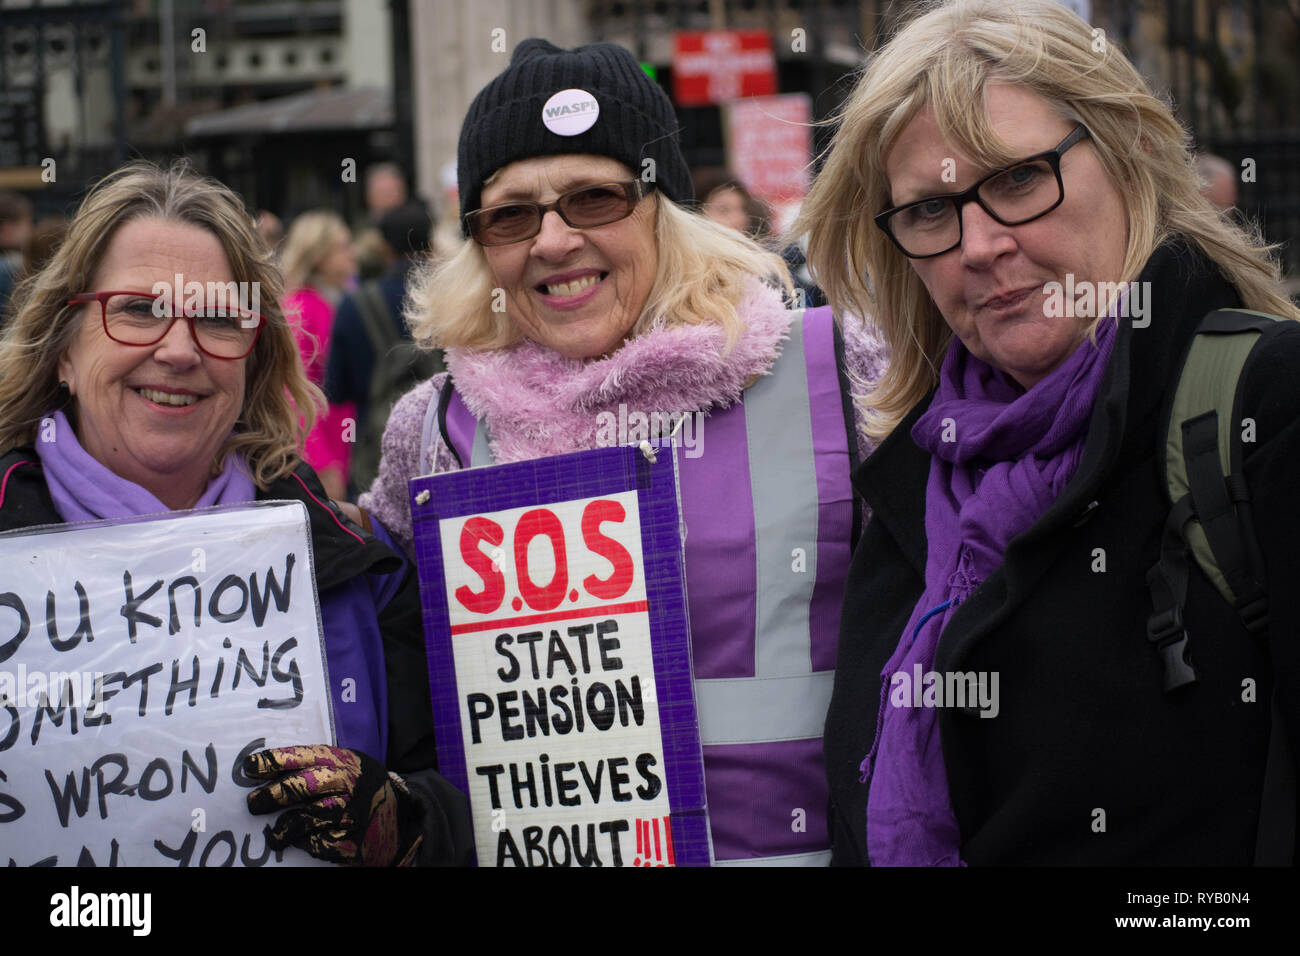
x=548 y=102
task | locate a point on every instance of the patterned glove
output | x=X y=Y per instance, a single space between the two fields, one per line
x=343 y=805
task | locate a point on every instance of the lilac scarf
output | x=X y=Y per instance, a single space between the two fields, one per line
x=85 y=490
x=1000 y=457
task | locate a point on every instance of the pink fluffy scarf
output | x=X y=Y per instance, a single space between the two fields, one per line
x=536 y=402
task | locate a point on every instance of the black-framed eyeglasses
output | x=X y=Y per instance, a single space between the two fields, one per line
x=1014 y=195
x=595 y=205
x=144 y=318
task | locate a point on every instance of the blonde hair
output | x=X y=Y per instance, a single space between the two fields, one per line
x=279 y=402
x=944 y=59
x=703 y=269
x=311 y=238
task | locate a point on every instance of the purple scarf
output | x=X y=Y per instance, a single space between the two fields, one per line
x=85 y=490
x=1000 y=457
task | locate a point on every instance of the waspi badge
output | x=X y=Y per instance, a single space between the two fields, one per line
x=570 y=112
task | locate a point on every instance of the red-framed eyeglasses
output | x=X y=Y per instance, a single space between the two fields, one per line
x=223 y=330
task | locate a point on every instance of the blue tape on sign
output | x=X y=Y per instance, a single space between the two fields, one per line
x=559 y=658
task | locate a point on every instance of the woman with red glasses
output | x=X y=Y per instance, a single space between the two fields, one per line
x=149 y=368
x=588 y=288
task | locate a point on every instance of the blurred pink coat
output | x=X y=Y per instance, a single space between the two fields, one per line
x=329 y=442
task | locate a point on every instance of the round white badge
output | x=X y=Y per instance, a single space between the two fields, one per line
x=570 y=112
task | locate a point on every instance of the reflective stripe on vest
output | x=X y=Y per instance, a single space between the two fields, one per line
x=768 y=509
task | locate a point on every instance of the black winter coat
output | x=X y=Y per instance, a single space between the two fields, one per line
x=1089 y=761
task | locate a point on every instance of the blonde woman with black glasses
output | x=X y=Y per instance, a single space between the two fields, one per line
x=1033 y=669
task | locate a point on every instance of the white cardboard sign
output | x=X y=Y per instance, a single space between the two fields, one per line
x=139 y=663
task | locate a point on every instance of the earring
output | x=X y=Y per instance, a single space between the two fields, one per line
x=65 y=394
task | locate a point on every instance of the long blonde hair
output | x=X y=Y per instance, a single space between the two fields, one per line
x=944 y=59
x=703 y=268
x=279 y=402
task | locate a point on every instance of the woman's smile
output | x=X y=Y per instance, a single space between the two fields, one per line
x=155 y=414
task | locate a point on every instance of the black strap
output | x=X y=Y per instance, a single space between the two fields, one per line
x=1226 y=533
x=850 y=423
x=444 y=399
x=1237 y=320
x=1167 y=581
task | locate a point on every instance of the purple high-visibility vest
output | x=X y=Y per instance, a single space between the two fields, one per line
x=770 y=519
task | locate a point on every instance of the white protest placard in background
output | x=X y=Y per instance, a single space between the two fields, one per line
x=140 y=662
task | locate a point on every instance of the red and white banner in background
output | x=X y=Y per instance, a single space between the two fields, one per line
x=769 y=145
x=714 y=66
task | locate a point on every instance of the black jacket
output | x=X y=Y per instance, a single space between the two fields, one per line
x=1089 y=761
x=338 y=556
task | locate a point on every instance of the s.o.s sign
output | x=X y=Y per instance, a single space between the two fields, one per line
x=559 y=662
x=569 y=554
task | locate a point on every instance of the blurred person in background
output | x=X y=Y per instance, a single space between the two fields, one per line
x=724 y=201
x=385 y=190
x=373 y=360
x=15 y=227
x=318 y=265
x=42 y=244
x=1218 y=181
x=728 y=202
x=270 y=228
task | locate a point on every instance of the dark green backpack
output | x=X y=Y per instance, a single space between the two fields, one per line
x=1211 y=522
x=399 y=367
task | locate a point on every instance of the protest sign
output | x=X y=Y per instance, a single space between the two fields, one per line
x=714 y=66
x=559 y=658
x=140 y=662
x=769 y=145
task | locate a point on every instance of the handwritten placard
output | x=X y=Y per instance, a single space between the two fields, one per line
x=140 y=662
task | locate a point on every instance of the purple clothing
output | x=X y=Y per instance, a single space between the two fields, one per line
x=83 y=489
x=773 y=484
x=679 y=368
x=1000 y=457
x=536 y=402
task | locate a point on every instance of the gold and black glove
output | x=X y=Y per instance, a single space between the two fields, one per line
x=340 y=805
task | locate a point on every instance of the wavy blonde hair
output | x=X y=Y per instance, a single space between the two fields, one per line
x=311 y=237
x=280 y=404
x=944 y=59
x=703 y=269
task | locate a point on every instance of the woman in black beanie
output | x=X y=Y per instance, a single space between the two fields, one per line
x=589 y=291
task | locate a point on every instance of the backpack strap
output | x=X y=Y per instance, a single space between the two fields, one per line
x=1211 y=522
x=379 y=329
x=398 y=364
x=1208 y=466
x=375 y=318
